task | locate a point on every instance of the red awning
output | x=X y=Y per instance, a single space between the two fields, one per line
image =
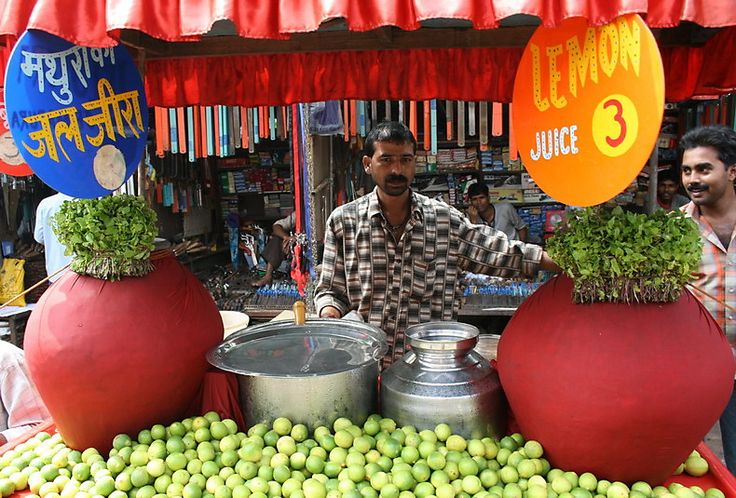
x=480 y=74
x=98 y=22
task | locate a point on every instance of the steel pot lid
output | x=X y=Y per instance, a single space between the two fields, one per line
x=442 y=336
x=283 y=349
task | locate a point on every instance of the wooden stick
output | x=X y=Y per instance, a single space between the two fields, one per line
x=728 y=306
x=6 y=303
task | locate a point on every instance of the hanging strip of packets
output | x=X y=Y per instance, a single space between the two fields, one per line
x=433 y=121
x=202 y=131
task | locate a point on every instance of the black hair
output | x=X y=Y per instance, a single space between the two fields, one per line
x=388 y=131
x=721 y=138
x=668 y=175
x=477 y=188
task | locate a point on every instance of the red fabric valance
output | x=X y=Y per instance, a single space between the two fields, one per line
x=98 y=22
x=417 y=74
x=456 y=74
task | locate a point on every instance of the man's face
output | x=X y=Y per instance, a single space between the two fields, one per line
x=480 y=202
x=705 y=177
x=666 y=190
x=392 y=167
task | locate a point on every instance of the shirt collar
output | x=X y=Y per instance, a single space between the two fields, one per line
x=374 y=207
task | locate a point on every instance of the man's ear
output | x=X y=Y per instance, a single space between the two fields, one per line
x=367 y=164
x=732 y=172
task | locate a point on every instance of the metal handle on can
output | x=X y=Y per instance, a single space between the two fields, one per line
x=300 y=313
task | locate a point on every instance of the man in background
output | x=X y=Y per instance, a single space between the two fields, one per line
x=21 y=407
x=708 y=172
x=500 y=216
x=667 y=197
x=54 y=251
x=277 y=247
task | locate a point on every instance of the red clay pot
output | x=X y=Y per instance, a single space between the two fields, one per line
x=623 y=391
x=117 y=357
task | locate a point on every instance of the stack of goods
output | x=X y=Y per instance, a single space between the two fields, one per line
x=497 y=159
x=487 y=292
x=460 y=158
x=458 y=187
x=535 y=218
x=278 y=295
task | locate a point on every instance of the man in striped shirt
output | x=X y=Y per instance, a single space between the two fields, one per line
x=395 y=256
x=708 y=173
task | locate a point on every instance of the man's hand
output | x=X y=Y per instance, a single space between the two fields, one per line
x=285 y=244
x=330 y=312
x=548 y=264
x=472 y=214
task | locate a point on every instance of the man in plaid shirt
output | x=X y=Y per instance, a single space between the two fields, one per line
x=395 y=256
x=20 y=405
x=708 y=173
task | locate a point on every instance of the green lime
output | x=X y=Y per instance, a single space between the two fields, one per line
x=390 y=490
x=341 y=424
x=218 y=430
x=371 y=427
x=299 y=432
x=139 y=477
x=286 y=445
x=468 y=467
x=444 y=490
x=282 y=426
x=387 y=424
x=313 y=488
x=191 y=490
x=560 y=484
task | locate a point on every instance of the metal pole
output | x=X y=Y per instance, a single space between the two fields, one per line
x=652 y=190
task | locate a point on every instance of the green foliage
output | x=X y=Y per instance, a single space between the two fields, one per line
x=110 y=238
x=619 y=256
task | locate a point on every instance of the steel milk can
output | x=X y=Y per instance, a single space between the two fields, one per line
x=442 y=379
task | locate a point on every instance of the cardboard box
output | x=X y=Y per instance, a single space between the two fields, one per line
x=536 y=195
x=527 y=182
x=506 y=194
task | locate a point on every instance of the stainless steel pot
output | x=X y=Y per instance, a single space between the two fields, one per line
x=442 y=379
x=311 y=373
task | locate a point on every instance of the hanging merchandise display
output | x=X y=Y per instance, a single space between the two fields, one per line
x=299 y=264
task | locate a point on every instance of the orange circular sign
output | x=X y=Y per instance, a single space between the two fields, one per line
x=588 y=104
x=11 y=162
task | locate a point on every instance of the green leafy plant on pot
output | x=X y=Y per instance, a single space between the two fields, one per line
x=110 y=319
x=618 y=256
x=110 y=238
x=620 y=351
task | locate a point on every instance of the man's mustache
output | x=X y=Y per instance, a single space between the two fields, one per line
x=696 y=187
x=397 y=178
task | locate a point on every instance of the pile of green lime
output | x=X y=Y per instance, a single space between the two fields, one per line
x=208 y=457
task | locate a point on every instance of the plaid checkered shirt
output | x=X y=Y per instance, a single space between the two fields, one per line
x=394 y=284
x=718 y=265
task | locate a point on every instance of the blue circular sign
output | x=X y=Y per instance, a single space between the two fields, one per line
x=78 y=114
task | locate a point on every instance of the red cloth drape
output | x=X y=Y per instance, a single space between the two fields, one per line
x=481 y=74
x=718 y=73
x=98 y=22
x=457 y=74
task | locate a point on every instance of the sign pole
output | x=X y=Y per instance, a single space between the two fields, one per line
x=653 y=180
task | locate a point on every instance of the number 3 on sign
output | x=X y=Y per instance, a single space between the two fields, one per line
x=615 y=125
